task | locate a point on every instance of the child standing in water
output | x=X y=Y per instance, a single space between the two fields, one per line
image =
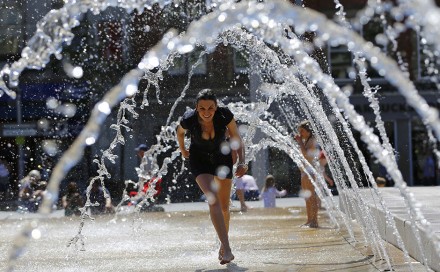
x=309 y=148
x=269 y=192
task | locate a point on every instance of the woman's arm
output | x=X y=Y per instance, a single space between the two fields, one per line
x=181 y=140
x=235 y=137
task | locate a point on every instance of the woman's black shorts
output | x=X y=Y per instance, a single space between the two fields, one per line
x=214 y=163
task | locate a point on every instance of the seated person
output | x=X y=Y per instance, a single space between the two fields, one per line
x=246 y=189
x=27 y=189
x=72 y=201
x=248 y=186
x=97 y=196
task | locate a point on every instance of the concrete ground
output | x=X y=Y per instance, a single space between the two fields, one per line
x=183 y=239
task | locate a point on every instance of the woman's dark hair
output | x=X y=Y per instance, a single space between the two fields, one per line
x=206 y=94
x=306 y=125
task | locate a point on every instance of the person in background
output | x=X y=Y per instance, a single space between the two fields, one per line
x=97 y=196
x=246 y=188
x=4 y=179
x=210 y=164
x=269 y=193
x=429 y=171
x=310 y=150
x=73 y=200
x=27 y=187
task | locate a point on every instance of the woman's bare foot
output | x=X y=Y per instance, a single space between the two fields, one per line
x=305 y=225
x=220 y=253
x=313 y=225
x=227 y=258
x=310 y=225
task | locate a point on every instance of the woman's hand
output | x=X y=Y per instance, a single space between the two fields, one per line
x=297 y=138
x=185 y=153
x=241 y=170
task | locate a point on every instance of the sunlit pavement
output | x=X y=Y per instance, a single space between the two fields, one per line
x=183 y=239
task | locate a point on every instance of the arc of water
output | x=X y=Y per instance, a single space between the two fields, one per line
x=364 y=165
x=395 y=77
x=258 y=123
x=340 y=103
x=236 y=37
x=346 y=101
x=279 y=141
x=374 y=104
x=327 y=138
x=55 y=29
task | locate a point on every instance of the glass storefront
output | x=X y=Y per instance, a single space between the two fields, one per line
x=425 y=171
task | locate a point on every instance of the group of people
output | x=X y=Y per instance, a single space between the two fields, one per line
x=74 y=200
x=32 y=191
x=209 y=127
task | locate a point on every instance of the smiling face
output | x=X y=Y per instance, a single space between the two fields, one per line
x=206 y=109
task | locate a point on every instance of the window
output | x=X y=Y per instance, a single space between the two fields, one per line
x=184 y=63
x=11 y=35
x=241 y=63
x=370 y=32
x=340 y=61
x=427 y=59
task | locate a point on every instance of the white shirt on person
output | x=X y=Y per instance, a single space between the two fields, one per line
x=246 y=182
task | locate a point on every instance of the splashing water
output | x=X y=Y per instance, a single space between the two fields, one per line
x=301 y=90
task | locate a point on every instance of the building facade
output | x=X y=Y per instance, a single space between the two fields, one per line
x=108 y=45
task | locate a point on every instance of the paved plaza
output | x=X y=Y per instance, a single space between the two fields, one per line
x=183 y=239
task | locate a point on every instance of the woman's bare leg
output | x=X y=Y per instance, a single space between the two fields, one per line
x=206 y=184
x=224 y=196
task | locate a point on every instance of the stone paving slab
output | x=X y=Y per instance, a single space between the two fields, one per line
x=183 y=239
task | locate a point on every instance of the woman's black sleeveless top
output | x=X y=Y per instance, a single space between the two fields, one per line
x=222 y=118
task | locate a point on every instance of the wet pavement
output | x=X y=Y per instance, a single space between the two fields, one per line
x=183 y=239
